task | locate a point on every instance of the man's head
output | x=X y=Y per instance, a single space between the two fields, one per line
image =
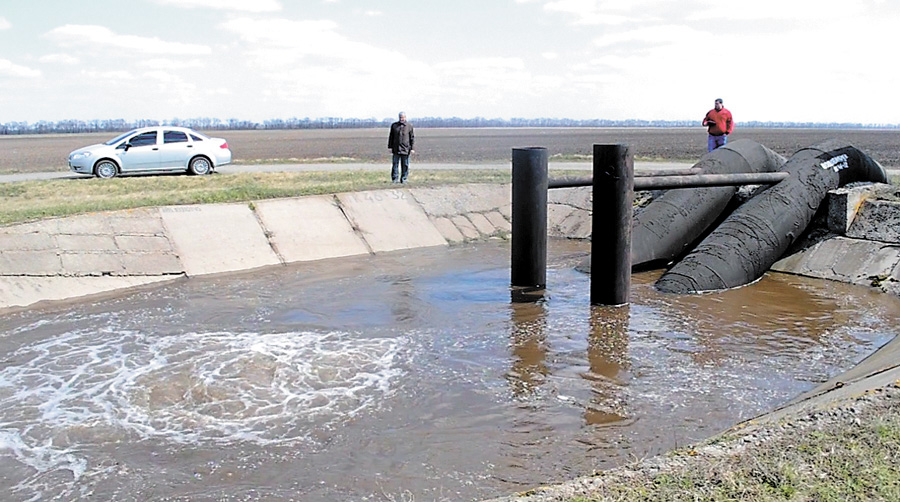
x=718 y=103
x=402 y=116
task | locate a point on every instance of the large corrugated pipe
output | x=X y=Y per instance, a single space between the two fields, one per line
x=673 y=221
x=757 y=233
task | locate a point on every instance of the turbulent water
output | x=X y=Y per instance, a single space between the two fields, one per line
x=406 y=376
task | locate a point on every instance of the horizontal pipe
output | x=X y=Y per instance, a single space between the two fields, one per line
x=708 y=180
x=570 y=182
x=667 y=172
x=690 y=181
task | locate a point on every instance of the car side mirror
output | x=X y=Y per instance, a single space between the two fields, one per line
x=127 y=146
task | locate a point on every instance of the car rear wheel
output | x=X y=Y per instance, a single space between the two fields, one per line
x=200 y=165
x=106 y=169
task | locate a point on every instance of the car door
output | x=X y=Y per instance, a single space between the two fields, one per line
x=176 y=149
x=140 y=152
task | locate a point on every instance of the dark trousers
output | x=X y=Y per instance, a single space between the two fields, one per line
x=403 y=161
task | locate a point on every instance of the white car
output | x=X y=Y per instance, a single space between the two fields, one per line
x=152 y=149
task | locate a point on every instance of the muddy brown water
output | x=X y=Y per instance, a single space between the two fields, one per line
x=404 y=376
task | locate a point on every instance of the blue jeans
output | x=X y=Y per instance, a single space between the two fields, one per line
x=716 y=141
x=403 y=161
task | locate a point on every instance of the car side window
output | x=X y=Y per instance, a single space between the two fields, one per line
x=196 y=138
x=144 y=139
x=174 y=137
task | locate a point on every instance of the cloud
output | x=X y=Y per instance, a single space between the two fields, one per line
x=654 y=36
x=770 y=10
x=482 y=64
x=59 y=59
x=93 y=36
x=311 y=64
x=117 y=76
x=232 y=5
x=606 y=12
x=164 y=64
x=4 y=24
x=276 y=43
x=8 y=68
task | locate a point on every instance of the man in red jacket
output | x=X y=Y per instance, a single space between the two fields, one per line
x=720 y=124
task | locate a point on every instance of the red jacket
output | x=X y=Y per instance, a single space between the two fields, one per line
x=719 y=122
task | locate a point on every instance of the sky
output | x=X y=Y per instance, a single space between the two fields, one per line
x=769 y=60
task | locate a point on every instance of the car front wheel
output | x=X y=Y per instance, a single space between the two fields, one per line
x=200 y=165
x=106 y=169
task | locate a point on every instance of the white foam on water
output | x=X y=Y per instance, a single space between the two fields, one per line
x=85 y=388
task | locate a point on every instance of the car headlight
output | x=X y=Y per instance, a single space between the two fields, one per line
x=80 y=155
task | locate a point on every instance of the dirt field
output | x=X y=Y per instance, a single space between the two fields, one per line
x=49 y=152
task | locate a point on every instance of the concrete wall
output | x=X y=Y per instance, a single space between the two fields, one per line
x=862 y=245
x=96 y=253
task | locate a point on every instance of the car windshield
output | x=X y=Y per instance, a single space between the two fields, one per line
x=120 y=137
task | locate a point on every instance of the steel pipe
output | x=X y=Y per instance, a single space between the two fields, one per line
x=529 y=217
x=759 y=232
x=611 y=225
x=674 y=221
x=708 y=180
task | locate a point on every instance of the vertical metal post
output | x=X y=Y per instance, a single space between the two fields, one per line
x=611 y=225
x=529 y=217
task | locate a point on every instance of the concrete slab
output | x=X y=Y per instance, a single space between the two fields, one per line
x=217 y=238
x=37 y=227
x=25 y=291
x=461 y=199
x=30 y=263
x=86 y=243
x=820 y=258
x=843 y=259
x=448 y=230
x=144 y=243
x=390 y=220
x=151 y=264
x=466 y=228
x=32 y=241
x=85 y=224
x=92 y=264
x=137 y=222
x=577 y=197
x=499 y=221
x=311 y=228
x=576 y=225
x=482 y=224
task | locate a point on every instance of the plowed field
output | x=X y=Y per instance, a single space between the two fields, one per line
x=37 y=153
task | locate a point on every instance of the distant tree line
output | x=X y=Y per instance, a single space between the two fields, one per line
x=207 y=124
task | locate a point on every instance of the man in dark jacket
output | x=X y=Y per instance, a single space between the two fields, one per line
x=401 y=142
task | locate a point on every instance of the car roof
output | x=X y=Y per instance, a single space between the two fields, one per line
x=170 y=128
